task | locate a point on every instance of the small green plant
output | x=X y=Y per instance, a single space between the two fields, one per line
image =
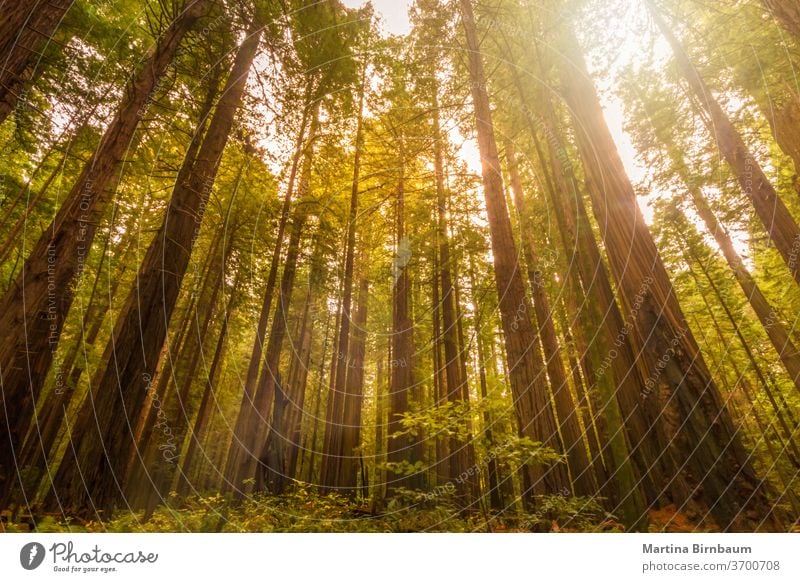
x=568 y=513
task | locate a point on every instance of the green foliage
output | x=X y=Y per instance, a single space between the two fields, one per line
x=446 y=420
x=517 y=451
x=563 y=513
x=566 y=513
x=303 y=510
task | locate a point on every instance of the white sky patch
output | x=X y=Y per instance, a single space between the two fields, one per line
x=635 y=47
x=466 y=147
x=393 y=13
x=613 y=111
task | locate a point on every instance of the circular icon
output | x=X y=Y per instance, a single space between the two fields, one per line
x=31 y=555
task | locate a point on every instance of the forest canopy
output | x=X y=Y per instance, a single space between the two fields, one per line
x=533 y=265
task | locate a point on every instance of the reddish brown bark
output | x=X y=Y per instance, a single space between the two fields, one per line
x=334 y=451
x=567 y=413
x=787 y=12
x=528 y=383
x=717 y=467
x=120 y=390
x=25 y=30
x=38 y=301
x=770 y=209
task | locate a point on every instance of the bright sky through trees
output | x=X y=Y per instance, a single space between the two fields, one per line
x=393 y=12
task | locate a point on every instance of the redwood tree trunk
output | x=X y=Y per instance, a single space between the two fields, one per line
x=268 y=420
x=354 y=397
x=132 y=354
x=461 y=453
x=787 y=12
x=256 y=360
x=38 y=301
x=769 y=388
x=580 y=472
x=35 y=454
x=770 y=209
x=532 y=403
x=442 y=471
x=204 y=412
x=613 y=383
x=401 y=365
x=298 y=383
x=717 y=466
x=500 y=490
x=769 y=318
x=286 y=415
x=25 y=29
x=242 y=456
x=334 y=451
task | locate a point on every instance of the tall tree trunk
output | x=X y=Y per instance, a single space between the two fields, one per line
x=769 y=318
x=401 y=365
x=473 y=489
x=25 y=30
x=534 y=413
x=600 y=331
x=299 y=385
x=460 y=460
x=270 y=398
x=354 y=397
x=379 y=479
x=166 y=369
x=200 y=426
x=717 y=467
x=593 y=427
x=567 y=413
x=141 y=329
x=242 y=456
x=336 y=361
x=254 y=366
x=286 y=415
x=146 y=453
x=498 y=488
x=780 y=408
x=764 y=429
x=784 y=121
x=36 y=451
x=787 y=12
x=334 y=452
x=195 y=348
x=38 y=301
x=12 y=238
x=439 y=381
x=309 y=449
x=770 y=209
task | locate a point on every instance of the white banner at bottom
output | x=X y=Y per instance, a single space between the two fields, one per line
x=400 y=557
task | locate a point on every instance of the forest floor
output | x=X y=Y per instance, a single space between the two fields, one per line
x=305 y=511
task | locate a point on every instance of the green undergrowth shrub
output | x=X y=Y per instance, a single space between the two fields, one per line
x=305 y=510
